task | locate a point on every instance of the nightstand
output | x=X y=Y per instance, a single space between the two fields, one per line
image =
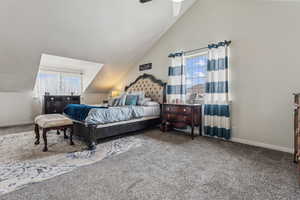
x=181 y=116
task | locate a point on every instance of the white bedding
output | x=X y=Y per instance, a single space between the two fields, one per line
x=127 y=122
x=150 y=111
x=121 y=114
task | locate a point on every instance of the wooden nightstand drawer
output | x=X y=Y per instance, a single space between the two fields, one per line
x=178 y=109
x=177 y=117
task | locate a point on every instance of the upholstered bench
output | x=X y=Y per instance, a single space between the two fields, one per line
x=52 y=122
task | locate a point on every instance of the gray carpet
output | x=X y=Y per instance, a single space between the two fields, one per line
x=16 y=129
x=172 y=166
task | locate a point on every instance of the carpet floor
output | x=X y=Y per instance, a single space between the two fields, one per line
x=172 y=166
x=23 y=163
x=16 y=129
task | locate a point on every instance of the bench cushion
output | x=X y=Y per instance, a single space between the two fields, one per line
x=52 y=121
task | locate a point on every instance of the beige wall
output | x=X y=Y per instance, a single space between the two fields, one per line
x=94 y=98
x=21 y=108
x=264 y=62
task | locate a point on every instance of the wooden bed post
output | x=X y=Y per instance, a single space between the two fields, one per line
x=296 y=126
x=91 y=140
x=165 y=93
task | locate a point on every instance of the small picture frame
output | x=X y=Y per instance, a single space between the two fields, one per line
x=144 y=67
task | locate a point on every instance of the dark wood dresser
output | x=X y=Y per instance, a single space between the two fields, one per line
x=181 y=116
x=297 y=130
x=56 y=104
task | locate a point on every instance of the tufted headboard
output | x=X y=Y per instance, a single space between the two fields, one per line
x=153 y=87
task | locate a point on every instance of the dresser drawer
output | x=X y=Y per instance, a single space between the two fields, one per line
x=178 y=109
x=177 y=117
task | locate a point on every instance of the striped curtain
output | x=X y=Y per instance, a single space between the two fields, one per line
x=216 y=104
x=176 y=88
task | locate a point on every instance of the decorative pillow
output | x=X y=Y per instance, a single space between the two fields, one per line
x=151 y=103
x=116 y=102
x=122 y=100
x=141 y=95
x=131 y=100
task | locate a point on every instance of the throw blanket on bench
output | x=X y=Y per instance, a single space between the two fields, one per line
x=79 y=112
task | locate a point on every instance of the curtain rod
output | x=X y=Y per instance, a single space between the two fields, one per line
x=190 y=51
x=213 y=45
x=209 y=46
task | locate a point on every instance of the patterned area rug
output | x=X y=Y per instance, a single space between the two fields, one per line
x=21 y=162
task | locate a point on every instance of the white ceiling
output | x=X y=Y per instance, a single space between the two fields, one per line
x=114 y=32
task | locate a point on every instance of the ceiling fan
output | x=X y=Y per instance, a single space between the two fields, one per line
x=176 y=6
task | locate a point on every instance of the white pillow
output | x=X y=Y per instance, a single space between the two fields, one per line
x=145 y=100
x=151 y=103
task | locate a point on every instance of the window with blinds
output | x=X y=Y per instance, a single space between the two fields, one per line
x=58 y=83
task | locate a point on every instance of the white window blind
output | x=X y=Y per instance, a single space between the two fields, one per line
x=58 y=83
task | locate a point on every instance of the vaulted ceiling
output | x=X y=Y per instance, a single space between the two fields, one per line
x=114 y=32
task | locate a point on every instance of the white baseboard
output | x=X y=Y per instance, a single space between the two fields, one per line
x=264 y=145
x=19 y=124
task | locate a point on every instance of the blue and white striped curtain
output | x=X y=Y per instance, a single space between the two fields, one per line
x=216 y=105
x=176 y=88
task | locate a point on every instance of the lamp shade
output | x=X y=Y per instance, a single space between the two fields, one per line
x=115 y=93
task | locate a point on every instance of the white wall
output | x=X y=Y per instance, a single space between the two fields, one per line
x=16 y=108
x=265 y=66
x=21 y=108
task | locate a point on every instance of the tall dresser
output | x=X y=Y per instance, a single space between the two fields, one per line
x=57 y=103
x=181 y=116
x=297 y=130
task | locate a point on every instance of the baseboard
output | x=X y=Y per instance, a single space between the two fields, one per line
x=263 y=145
x=19 y=124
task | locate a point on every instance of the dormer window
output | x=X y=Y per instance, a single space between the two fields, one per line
x=58 y=82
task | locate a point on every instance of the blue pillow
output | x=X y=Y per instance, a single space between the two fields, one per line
x=131 y=100
x=116 y=102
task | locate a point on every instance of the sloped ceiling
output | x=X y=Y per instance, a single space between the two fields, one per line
x=114 y=32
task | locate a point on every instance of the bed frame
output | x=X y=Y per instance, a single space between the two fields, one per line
x=153 y=88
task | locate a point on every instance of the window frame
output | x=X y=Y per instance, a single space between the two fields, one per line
x=202 y=53
x=60 y=73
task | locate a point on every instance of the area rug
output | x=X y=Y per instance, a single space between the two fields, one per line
x=22 y=163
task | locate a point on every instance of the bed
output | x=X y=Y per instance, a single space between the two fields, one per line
x=92 y=130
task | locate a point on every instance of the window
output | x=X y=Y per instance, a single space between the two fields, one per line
x=58 y=83
x=196 y=76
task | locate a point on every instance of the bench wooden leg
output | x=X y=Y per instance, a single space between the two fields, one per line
x=37 y=134
x=65 y=133
x=45 y=140
x=71 y=136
